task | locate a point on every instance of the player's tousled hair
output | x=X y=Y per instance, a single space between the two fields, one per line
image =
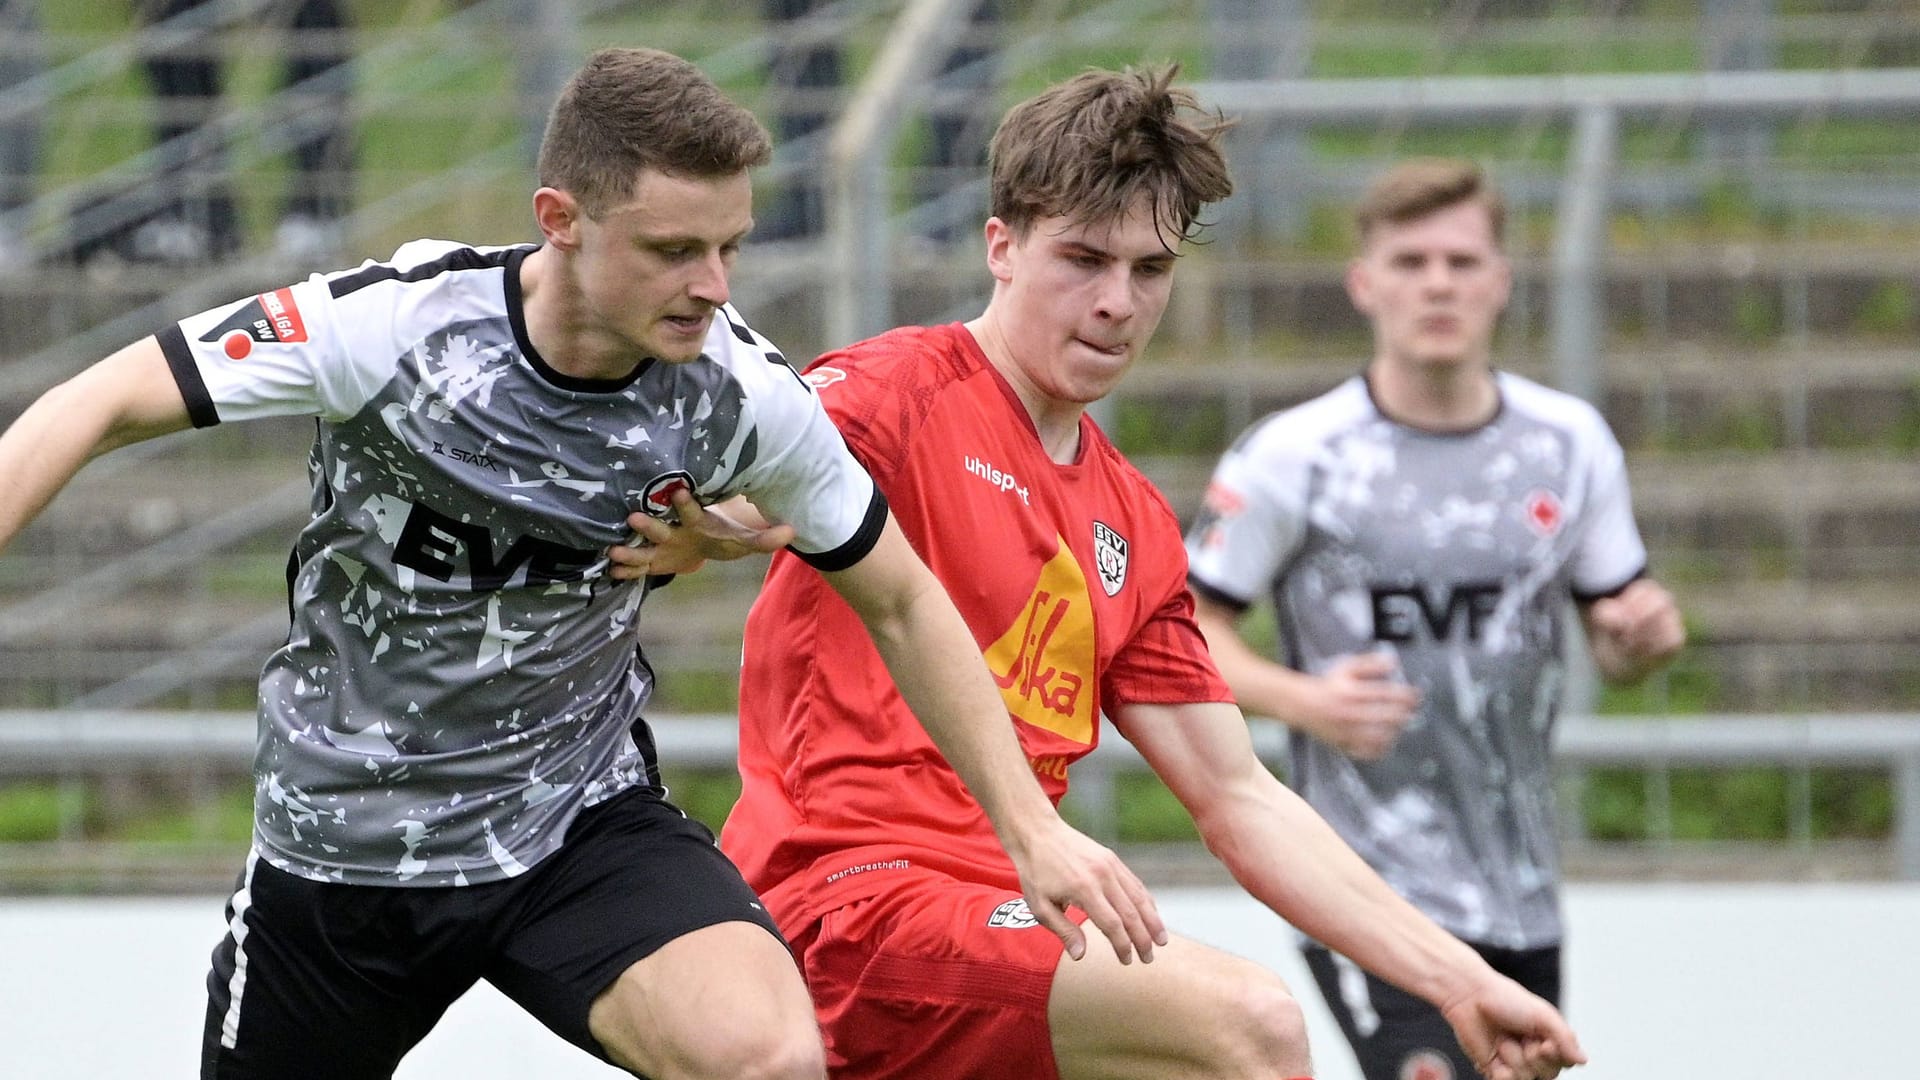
x=633 y=109
x=1417 y=187
x=1089 y=149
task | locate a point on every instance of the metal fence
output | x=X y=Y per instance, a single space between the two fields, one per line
x=75 y=744
x=1601 y=166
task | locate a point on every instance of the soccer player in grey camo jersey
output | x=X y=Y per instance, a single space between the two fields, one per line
x=454 y=781
x=1420 y=530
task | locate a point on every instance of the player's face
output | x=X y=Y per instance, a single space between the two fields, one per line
x=1080 y=300
x=652 y=271
x=1432 y=287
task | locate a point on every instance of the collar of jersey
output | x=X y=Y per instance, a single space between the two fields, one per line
x=517 y=316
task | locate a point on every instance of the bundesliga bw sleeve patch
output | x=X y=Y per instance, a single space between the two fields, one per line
x=267 y=318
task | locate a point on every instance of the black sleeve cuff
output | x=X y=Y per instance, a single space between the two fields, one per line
x=1590 y=597
x=857 y=546
x=186 y=373
x=1206 y=591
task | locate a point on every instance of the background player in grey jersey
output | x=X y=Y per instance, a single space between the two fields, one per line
x=1420 y=530
x=453 y=779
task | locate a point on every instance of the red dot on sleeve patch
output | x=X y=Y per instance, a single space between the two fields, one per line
x=237 y=345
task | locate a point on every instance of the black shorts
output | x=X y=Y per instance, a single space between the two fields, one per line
x=337 y=982
x=1396 y=1036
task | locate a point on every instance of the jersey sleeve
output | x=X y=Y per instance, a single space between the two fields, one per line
x=295 y=351
x=1166 y=662
x=802 y=473
x=1610 y=552
x=864 y=400
x=1253 y=518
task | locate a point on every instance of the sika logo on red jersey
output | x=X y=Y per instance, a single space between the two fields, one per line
x=1044 y=662
x=267 y=318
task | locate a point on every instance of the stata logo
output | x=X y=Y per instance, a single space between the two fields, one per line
x=467 y=457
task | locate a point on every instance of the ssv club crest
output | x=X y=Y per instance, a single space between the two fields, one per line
x=1110 y=556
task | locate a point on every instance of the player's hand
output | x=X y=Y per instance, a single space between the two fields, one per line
x=1635 y=630
x=703 y=533
x=1512 y=1034
x=1363 y=705
x=1061 y=866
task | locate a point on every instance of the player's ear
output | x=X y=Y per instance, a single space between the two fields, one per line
x=1360 y=286
x=1000 y=241
x=558 y=214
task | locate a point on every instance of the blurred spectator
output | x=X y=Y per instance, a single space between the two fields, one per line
x=20 y=60
x=806 y=72
x=198 y=218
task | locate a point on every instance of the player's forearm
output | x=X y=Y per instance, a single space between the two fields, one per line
x=1287 y=857
x=1262 y=687
x=937 y=667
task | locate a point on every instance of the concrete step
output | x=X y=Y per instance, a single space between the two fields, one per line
x=1824 y=516
x=1733 y=289
x=1701 y=396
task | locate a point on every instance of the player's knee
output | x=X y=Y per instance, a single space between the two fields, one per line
x=1266 y=1033
x=793 y=1053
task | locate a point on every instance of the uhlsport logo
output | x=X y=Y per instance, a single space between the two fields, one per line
x=268 y=317
x=992 y=474
x=657 y=497
x=1110 y=556
x=1013 y=915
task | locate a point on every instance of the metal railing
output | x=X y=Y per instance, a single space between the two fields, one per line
x=862 y=301
x=78 y=743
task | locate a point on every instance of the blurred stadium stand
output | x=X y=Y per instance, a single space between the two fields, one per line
x=1737 y=286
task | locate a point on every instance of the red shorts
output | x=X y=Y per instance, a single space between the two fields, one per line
x=934 y=979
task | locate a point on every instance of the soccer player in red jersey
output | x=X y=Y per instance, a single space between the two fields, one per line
x=923 y=958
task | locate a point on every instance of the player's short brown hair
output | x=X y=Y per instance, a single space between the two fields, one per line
x=632 y=109
x=1420 y=186
x=1090 y=148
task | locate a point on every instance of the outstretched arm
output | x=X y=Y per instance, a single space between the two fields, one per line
x=1287 y=857
x=128 y=397
x=1358 y=707
x=937 y=666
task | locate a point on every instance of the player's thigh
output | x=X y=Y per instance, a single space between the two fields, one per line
x=632 y=937
x=1195 y=1011
x=1394 y=1035
x=932 y=978
x=323 y=981
x=721 y=1002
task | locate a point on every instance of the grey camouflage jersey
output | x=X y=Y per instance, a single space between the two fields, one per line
x=1457 y=554
x=462 y=675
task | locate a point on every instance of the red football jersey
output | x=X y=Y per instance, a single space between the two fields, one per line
x=1072 y=578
